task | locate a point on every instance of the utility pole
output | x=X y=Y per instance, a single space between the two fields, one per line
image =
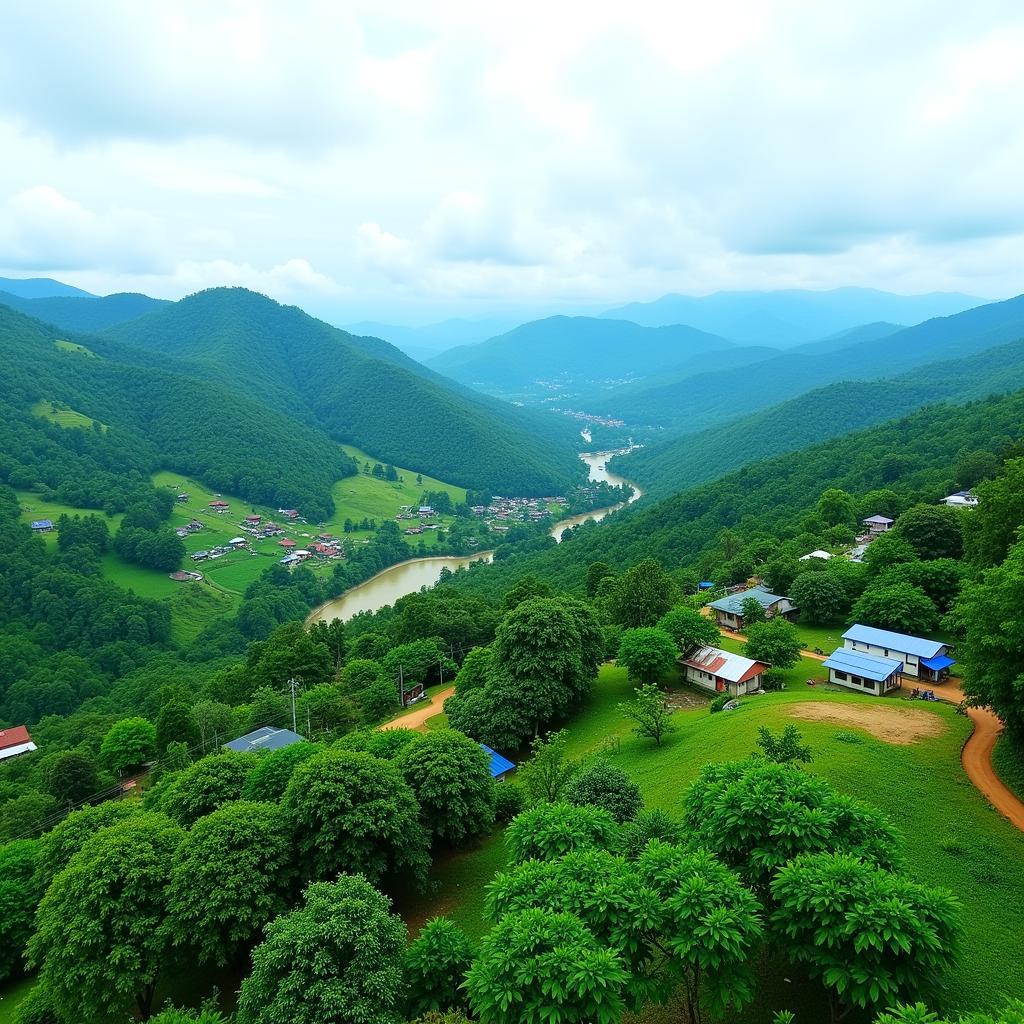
x=292 y=683
x=401 y=687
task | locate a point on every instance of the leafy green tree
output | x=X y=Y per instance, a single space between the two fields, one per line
x=101 y=942
x=819 y=597
x=231 y=875
x=940 y=579
x=386 y=744
x=649 y=654
x=992 y=526
x=129 y=744
x=752 y=611
x=689 y=628
x=354 y=812
x=20 y=892
x=888 y=550
x=204 y=1015
x=780 y=572
x=756 y=815
x=268 y=707
x=545 y=774
x=420 y=661
x=273 y=770
x=601 y=784
x=524 y=589
x=642 y=594
x=785 y=748
x=870 y=935
x=336 y=959
x=26 y=815
x=71 y=777
x=596 y=572
x=592 y=643
x=450 y=775
x=325 y=709
x=360 y=673
x=69 y=835
x=176 y=724
x=208 y=784
x=896 y=606
x=835 y=507
x=534 y=966
x=436 y=964
x=476 y=670
x=648 y=825
x=290 y=652
x=933 y=531
x=1012 y=1013
x=550 y=831
x=650 y=713
x=775 y=641
x=881 y=502
x=332 y=636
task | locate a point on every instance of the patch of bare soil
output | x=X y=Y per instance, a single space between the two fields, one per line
x=901 y=726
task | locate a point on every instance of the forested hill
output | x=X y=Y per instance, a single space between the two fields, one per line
x=154 y=419
x=770 y=499
x=817 y=415
x=576 y=347
x=714 y=397
x=83 y=312
x=322 y=376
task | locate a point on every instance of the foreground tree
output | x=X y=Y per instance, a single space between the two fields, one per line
x=545 y=775
x=210 y=783
x=128 y=745
x=992 y=526
x=273 y=771
x=335 y=960
x=650 y=713
x=819 y=596
x=648 y=654
x=600 y=784
x=689 y=628
x=641 y=595
x=19 y=893
x=775 y=641
x=101 y=941
x=871 y=936
x=68 y=836
x=550 y=831
x=71 y=777
x=436 y=963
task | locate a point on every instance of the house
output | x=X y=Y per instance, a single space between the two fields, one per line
x=286 y=543
x=500 y=766
x=425 y=510
x=199 y=556
x=857 y=670
x=252 y=520
x=823 y=555
x=15 y=741
x=878 y=524
x=288 y=513
x=720 y=671
x=264 y=738
x=962 y=499
x=219 y=506
x=729 y=610
x=922 y=659
x=237 y=542
x=183 y=497
x=290 y=560
x=42 y=525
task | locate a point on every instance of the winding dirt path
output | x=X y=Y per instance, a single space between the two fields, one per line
x=417 y=719
x=976 y=755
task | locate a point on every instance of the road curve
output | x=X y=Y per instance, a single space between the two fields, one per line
x=417 y=719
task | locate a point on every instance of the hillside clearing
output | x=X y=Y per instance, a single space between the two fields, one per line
x=884 y=721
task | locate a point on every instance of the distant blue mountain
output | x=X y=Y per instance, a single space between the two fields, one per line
x=40 y=288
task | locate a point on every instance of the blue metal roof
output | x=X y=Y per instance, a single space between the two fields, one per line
x=899 y=642
x=867 y=666
x=42 y=524
x=264 y=738
x=734 y=602
x=499 y=764
x=938 y=663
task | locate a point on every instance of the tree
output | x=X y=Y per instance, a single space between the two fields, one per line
x=543 y=777
x=71 y=777
x=203 y=787
x=19 y=894
x=836 y=508
x=752 y=611
x=774 y=641
x=596 y=572
x=787 y=747
x=361 y=673
x=271 y=774
x=336 y=959
x=331 y=634
x=756 y=815
x=689 y=628
x=354 y=812
x=819 y=597
x=896 y=606
x=933 y=531
x=476 y=670
x=175 y=724
x=524 y=589
x=1013 y=1013
x=992 y=526
x=130 y=743
x=538 y=966
x=268 y=707
x=642 y=594
x=70 y=834
x=868 y=934
x=215 y=723
x=888 y=550
x=100 y=941
x=940 y=579
x=650 y=713
x=450 y=775
x=325 y=709
x=231 y=875
x=648 y=653
x=436 y=963
x=550 y=831
x=26 y=815
x=601 y=784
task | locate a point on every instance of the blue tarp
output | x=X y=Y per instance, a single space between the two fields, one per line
x=938 y=663
x=499 y=764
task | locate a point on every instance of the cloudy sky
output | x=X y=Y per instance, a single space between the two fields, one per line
x=412 y=161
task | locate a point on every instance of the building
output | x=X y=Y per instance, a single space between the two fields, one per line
x=286 y=543
x=500 y=766
x=15 y=741
x=962 y=499
x=42 y=525
x=720 y=671
x=264 y=738
x=219 y=506
x=878 y=524
x=928 y=660
x=729 y=610
x=237 y=542
x=823 y=555
x=866 y=673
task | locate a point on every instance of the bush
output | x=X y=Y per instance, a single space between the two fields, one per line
x=600 y=784
x=773 y=680
x=508 y=801
x=719 y=702
x=848 y=737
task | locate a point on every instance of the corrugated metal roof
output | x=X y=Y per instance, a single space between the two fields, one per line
x=938 y=663
x=733 y=668
x=264 y=738
x=902 y=643
x=499 y=764
x=734 y=602
x=878 y=519
x=867 y=666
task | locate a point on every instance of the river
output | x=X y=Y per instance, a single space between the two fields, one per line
x=407 y=577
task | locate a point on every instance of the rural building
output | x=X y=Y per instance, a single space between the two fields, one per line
x=42 y=525
x=500 y=766
x=863 y=672
x=286 y=543
x=729 y=610
x=823 y=555
x=720 y=671
x=922 y=659
x=219 y=506
x=183 y=497
x=237 y=542
x=962 y=499
x=264 y=738
x=878 y=524
x=15 y=741
x=288 y=513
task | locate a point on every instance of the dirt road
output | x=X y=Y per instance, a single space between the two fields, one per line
x=428 y=709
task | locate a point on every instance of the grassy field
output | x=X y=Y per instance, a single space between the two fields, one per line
x=71 y=346
x=951 y=836
x=11 y=996
x=63 y=416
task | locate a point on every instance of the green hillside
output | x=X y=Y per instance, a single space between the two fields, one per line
x=83 y=313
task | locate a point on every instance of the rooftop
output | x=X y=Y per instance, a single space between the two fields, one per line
x=734 y=668
x=887 y=640
x=499 y=764
x=734 y=602
x=867 y=666
x=264 y=738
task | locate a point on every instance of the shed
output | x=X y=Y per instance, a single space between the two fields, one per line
x=863 y=672
x=500 y=765
x=264 y=738
x=878 y=524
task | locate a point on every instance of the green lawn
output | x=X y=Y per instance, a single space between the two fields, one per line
x=63 y=416
x=11 y=996
x=70 y=346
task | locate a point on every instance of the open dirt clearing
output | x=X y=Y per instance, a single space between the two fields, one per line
x=901 y=726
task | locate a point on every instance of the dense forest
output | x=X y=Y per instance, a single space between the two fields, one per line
x=83 y=313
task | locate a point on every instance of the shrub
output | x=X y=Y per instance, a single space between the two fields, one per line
x=719 y=702
x=600 y=784
x=508 y=801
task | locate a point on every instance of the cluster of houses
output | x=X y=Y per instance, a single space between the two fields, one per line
x=515 y=510
x=186 y=531
x=255 y=527
x=418 y=514
x=586 y=417
x=325 y=546
x=235 y=544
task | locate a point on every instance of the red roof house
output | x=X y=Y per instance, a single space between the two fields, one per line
x=286 y=543
x=15 y=741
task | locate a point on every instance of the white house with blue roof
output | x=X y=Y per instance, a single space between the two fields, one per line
x=922 y=659
x=729 y=610
x=865 y=673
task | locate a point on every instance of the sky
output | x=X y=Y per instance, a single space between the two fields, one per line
x=410 y=162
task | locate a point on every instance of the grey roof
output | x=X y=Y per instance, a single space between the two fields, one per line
x=900 y=642
x=734 y=602
x=878 y=519
x=264 y=738
x=867 y=666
